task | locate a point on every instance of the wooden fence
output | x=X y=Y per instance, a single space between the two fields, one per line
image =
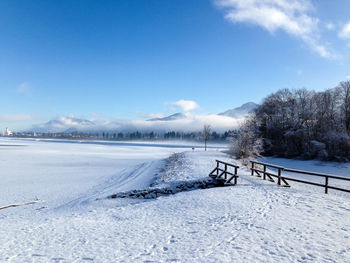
x=283 y=179
x=223 y=172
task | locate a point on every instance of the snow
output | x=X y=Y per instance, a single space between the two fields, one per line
x=56 y=172
x=254 y=221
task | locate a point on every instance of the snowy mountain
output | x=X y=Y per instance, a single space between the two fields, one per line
x=176 y=116
x=186 y=122
x=241 y=111
x=64 y=124
x=238 y=112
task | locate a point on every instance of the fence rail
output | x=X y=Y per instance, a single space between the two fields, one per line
x=283 y=179
x=222 y=173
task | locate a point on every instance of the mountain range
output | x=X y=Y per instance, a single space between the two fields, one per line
x=187 y=122
x=243 y=110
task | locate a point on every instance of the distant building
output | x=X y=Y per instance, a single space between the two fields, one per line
x=8 y=132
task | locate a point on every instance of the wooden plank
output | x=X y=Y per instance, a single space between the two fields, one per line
x=257 y=173
x=267 y=173
x=230 y=164
x=220 y=175
x=286 y=184
x=279 y=176
x=222 y=170
x=339 y=189
x=302 y=181
x=212 y=172
x=316 y=174
x=268 y=164
x=229 y=180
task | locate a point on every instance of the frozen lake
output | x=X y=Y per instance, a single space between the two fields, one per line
x=57 y=170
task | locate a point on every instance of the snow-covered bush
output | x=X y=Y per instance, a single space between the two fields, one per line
x=338 y=146
x=246 y=144
x=318 y=150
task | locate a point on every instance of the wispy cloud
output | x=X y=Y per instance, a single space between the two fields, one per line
x=330 y=26
x=348 y=76
x=185 y=105
x=345 y=31
x=16 y=117
x=23 y=88
x=291 y=16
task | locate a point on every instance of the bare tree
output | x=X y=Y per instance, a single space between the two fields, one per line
x=301 y=123
x=344 y=90
x=206 y=134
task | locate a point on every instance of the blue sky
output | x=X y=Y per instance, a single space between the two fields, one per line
x=125 y=59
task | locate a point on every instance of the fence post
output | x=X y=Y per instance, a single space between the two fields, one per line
x=235 y=170
x=217 y=170
x=326 y=185
x=264 y=177
x=252 y=168
x=279 y=176
x=225 y=171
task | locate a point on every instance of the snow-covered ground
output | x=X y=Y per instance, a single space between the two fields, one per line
x=254 y=221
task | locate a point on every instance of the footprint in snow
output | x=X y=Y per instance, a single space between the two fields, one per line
x=58 y=259
x=153 y=246
x=87 y=259
x=146 y=253
x=171 y=239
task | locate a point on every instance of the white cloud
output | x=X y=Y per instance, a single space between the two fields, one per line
x=16 y=117
x=23 y=88
x=345 y=31
x=185 y=105
x=330 y=26
x=348 y=76
x=191 y=122
x=291 y=16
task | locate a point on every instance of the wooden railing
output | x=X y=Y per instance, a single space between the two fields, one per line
x=283 y=179
x=223 y=172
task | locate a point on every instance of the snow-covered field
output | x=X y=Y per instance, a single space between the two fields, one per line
x=254 y=221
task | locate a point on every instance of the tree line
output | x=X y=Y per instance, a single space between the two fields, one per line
x=300 y=124
x=137 y=135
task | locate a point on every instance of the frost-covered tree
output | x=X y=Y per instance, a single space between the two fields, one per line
x=247 y=142
x=344 y=91
x=307 y=124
